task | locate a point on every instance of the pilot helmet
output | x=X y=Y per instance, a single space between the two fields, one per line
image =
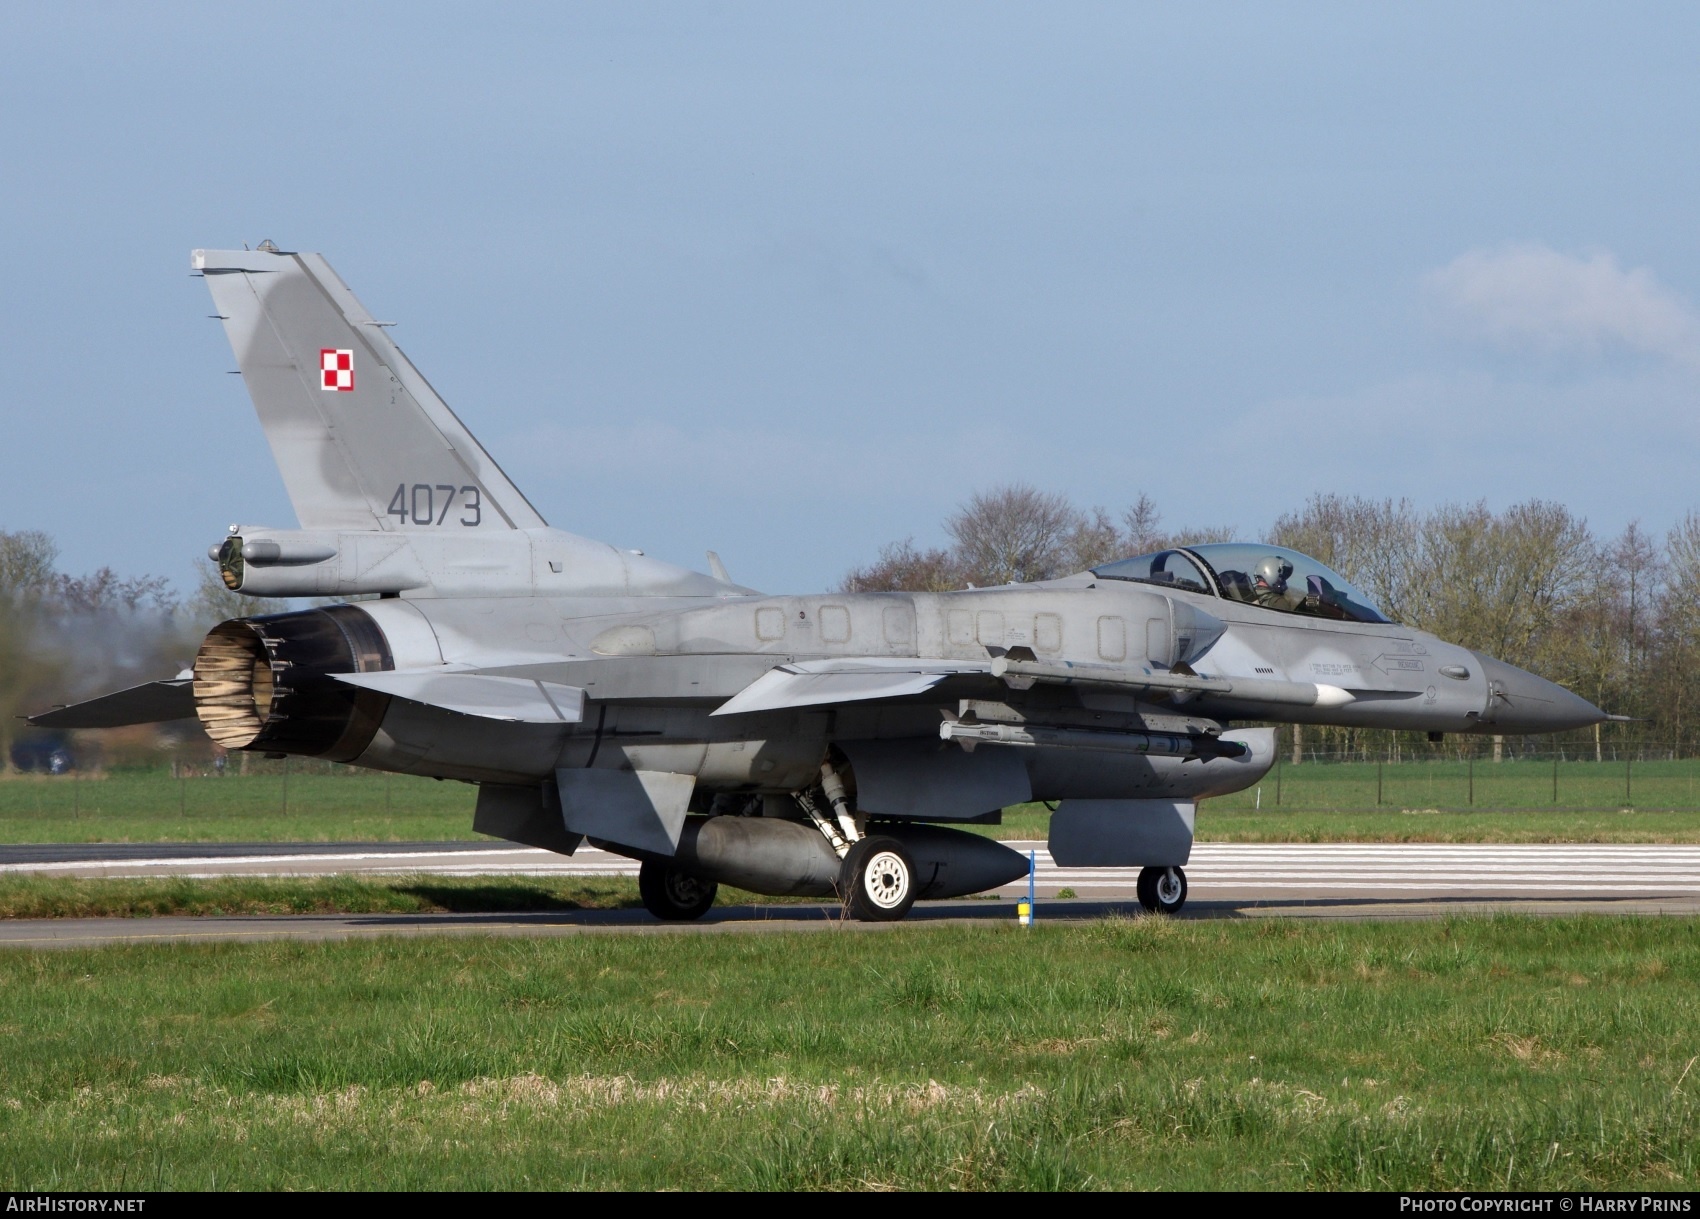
x=1272 y=573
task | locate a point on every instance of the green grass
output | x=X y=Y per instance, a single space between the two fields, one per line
x=1314 y=802
x=311 y=803
x=1146 y=1053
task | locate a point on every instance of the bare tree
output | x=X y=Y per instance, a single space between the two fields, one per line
x=1677 y=638
x=1376 y=544
x=1639 y=569
x=1013 y=534
x=1679 y=598
x=26 y=572
x=1140 y=525
x=213 y=603
x=1503 y=584
x=1016 y=534
x=902 y=568
x=26 y=563
x=105 y=590
x=1094 y=540
x=67 y=637
x=1143 y=532
x=1201 y=535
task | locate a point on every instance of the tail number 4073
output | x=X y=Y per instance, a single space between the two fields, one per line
x=431 y=503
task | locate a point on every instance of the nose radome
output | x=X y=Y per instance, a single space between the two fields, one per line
x=1518 y=701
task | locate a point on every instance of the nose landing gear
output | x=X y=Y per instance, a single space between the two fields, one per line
x=1162 y=890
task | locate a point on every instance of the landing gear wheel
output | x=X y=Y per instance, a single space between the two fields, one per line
x=674 y=895
x=877 y=880
x=1162 y=890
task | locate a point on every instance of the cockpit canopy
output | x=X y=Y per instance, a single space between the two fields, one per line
x=1268 y=576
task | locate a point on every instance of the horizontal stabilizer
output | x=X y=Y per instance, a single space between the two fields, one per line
x=812 y=683
x=153 y=703
x=517 y=699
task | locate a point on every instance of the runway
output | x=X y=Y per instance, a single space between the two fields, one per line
x=1217 y=871
x=1329 y=881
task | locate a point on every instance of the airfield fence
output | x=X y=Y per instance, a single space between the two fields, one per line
x=1554 y=779
x=1525 y=779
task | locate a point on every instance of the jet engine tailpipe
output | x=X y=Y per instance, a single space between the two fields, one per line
x=265 y=683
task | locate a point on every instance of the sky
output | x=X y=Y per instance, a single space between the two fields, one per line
x=791 y=281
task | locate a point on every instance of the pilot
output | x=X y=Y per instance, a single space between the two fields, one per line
x=1269 y=584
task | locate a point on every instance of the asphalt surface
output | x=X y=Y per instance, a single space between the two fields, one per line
x=1328 y=881
x=118 y=852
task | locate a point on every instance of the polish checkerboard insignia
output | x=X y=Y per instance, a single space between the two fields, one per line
x=336 y=369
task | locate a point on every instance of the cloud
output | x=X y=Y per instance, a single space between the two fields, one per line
x=1534 y=297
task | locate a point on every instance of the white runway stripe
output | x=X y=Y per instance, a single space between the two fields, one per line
x=1227 y=868
x=1413 y=868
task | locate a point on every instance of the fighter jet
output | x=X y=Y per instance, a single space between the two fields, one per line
x=818 y=745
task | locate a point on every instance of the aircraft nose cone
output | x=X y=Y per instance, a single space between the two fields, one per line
x=1518 y=701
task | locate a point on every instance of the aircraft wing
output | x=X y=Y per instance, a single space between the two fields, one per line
x=816 y=682
x=523 y=700
x=812 y=683
x=154 y=702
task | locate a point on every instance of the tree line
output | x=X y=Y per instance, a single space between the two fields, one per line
x=65 y=637
x=1616 y=619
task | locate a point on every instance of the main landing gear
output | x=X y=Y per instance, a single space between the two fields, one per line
x=673 y=895
x=1162 y=890
x=877 y=880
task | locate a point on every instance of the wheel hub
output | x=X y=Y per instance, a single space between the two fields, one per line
x=886 y=880
x=685 y=890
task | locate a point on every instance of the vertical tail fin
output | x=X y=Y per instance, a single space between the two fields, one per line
x=361 y=439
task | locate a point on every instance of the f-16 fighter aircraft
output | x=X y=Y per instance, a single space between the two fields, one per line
x=812 y=745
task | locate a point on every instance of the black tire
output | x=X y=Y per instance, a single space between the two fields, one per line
x=877 y=881
x=670 y=894
x=1162 y=890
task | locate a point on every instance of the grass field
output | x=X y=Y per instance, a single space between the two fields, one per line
x=309 y=803
x=1314 y=802
x=1218 y=822
x=1147 y=1053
